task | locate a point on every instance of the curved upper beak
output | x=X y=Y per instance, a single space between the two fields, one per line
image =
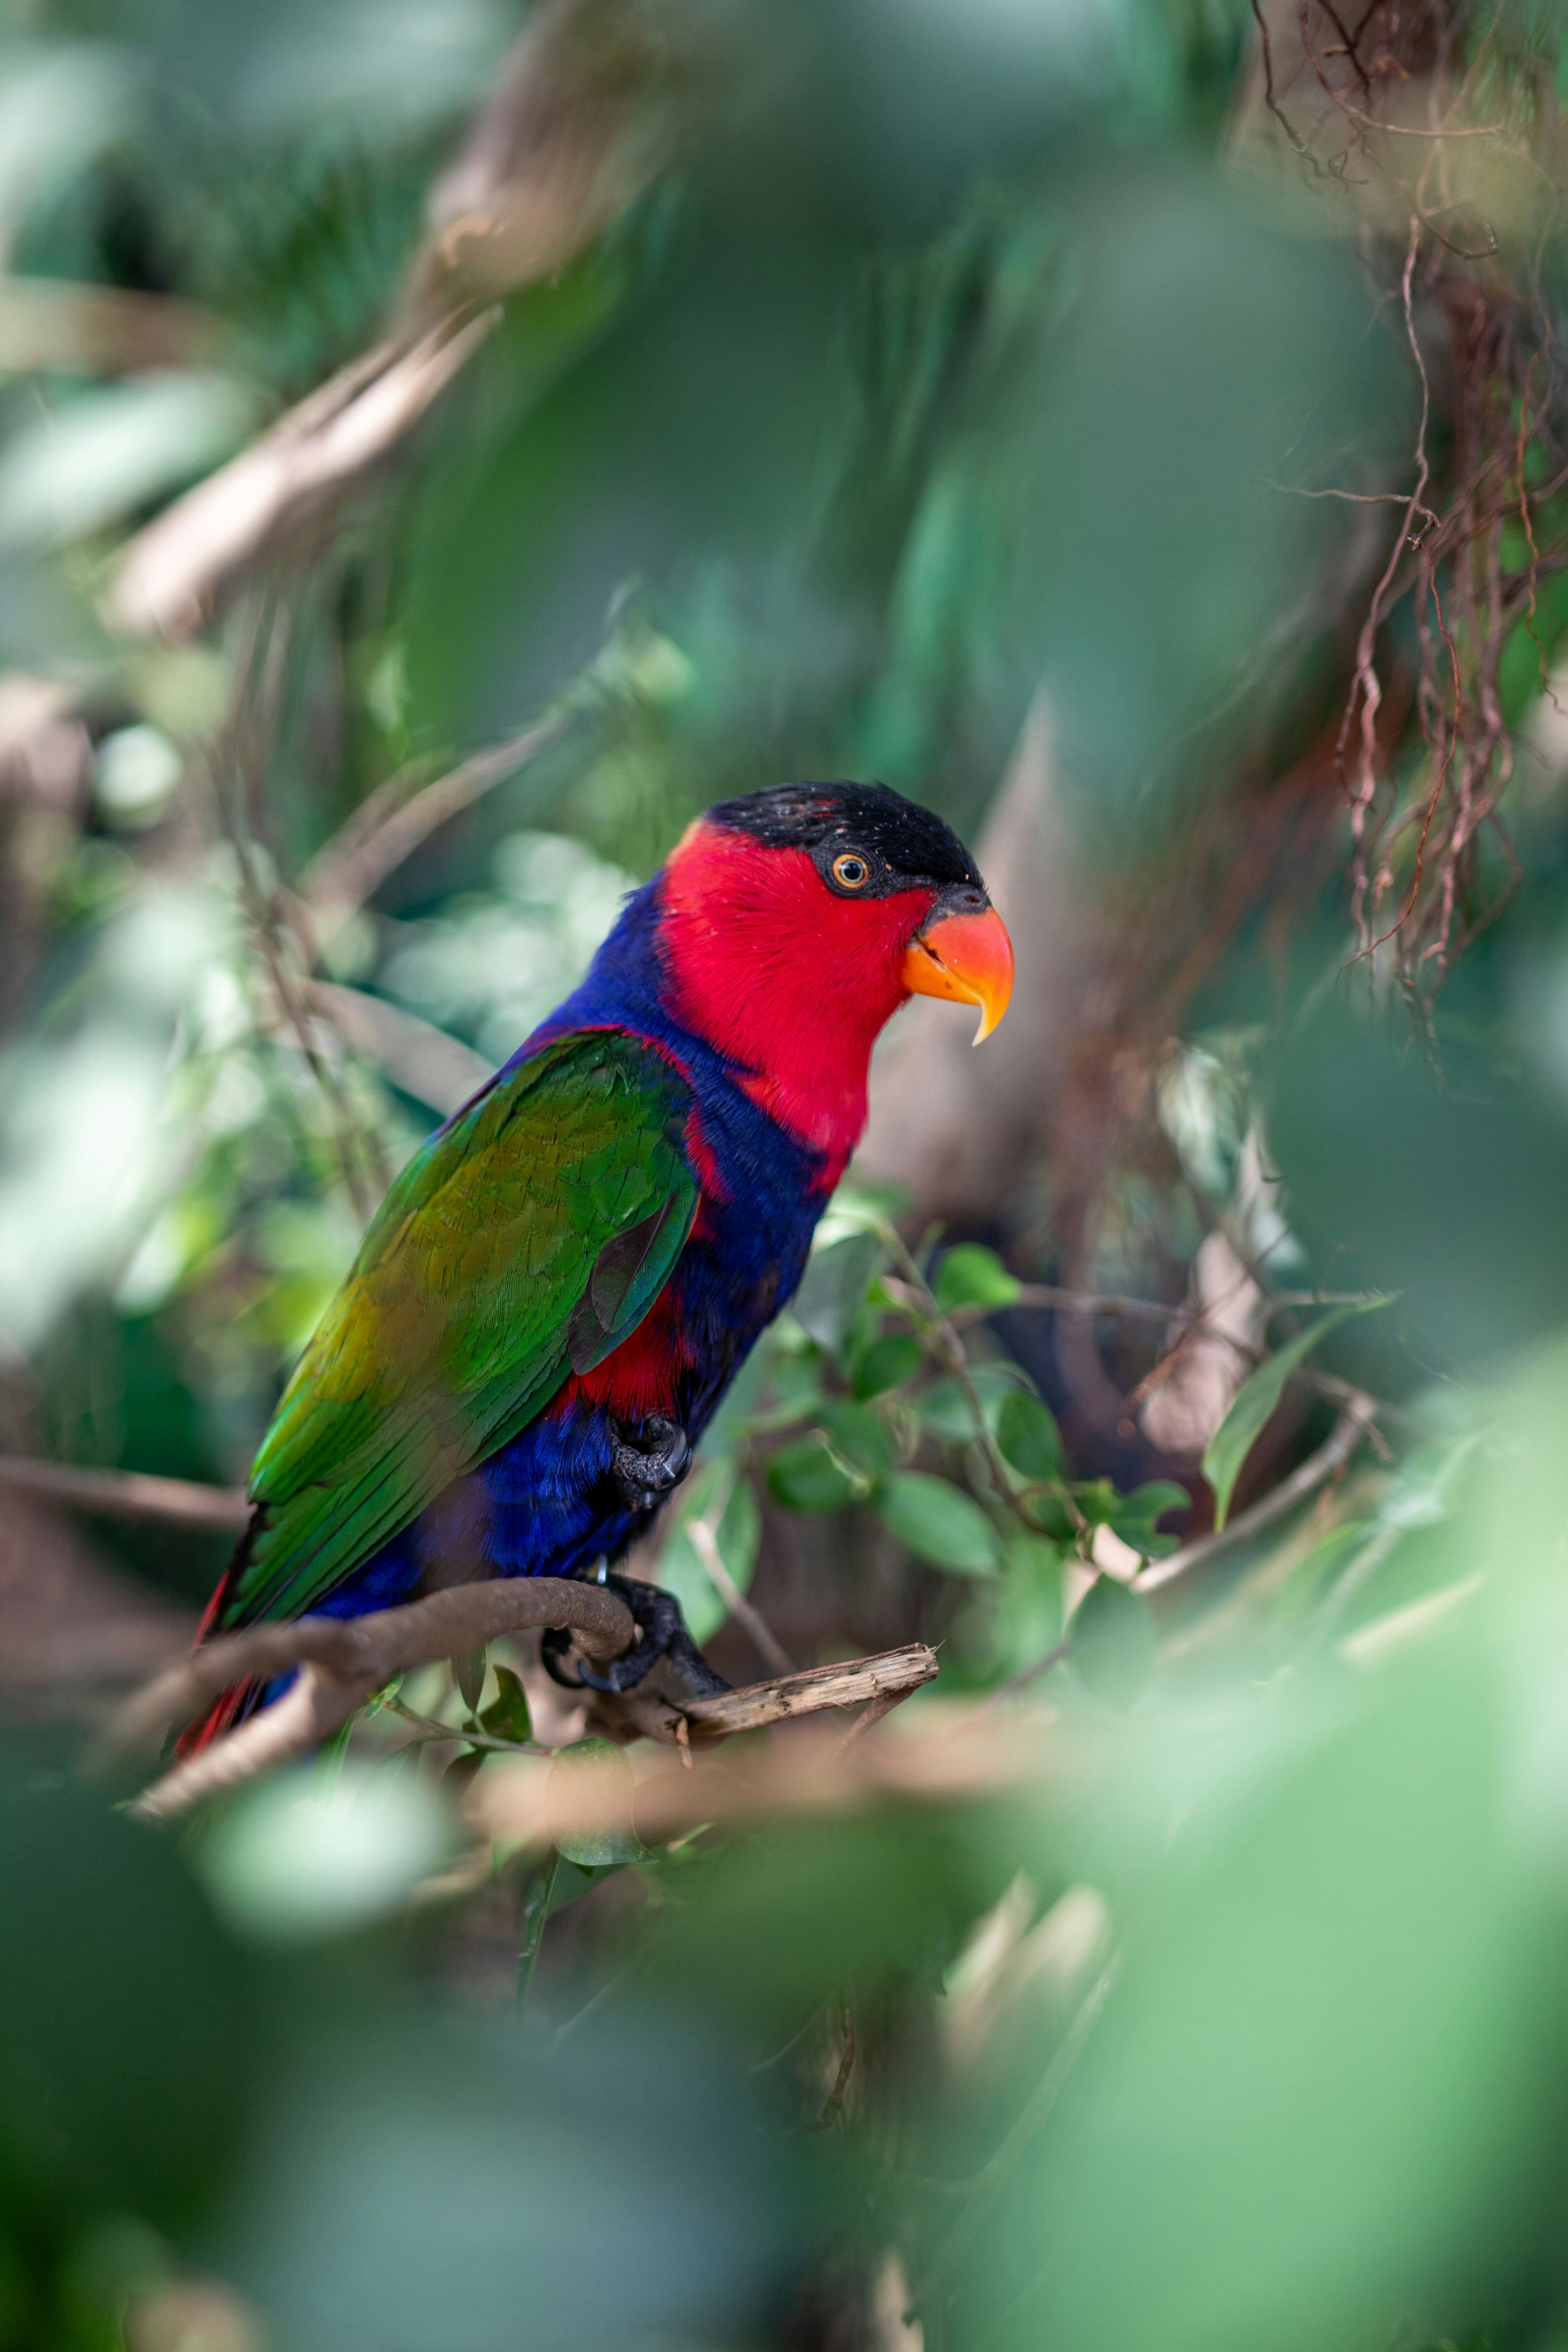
x=966 y=958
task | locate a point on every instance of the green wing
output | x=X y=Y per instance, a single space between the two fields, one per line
x=525 y=1240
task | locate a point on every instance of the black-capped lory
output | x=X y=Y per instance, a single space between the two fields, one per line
x=564 y=1280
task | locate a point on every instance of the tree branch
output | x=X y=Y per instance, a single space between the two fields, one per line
x=845 y=1683
x=580 y=118
x=345 y=1662
x=1316 y=1470
x=130 y=1495
x=175 y=572
x=951 y=1756
x=426 y=1063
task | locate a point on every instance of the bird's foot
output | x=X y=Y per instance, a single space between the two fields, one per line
x=662 y=1633
x=648 y=1457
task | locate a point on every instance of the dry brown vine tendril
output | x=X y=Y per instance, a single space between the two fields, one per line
x=1424 y=751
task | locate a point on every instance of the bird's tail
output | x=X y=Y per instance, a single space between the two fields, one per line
x=231 y=1706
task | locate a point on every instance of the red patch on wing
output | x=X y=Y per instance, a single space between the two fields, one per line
x=795 y=983
x=642 y=1375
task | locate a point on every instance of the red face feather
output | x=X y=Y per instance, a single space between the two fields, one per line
x=785 y=978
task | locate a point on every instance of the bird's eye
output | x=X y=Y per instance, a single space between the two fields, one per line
x=850 y=871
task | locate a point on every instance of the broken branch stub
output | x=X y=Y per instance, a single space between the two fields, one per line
x=848 y=1682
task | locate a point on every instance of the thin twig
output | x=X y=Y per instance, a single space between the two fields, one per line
x=867 y=1720
x=1028 y=1676
x=1316 y=1470
x=383 y=833
x=706 y=1545
x=130 y=1495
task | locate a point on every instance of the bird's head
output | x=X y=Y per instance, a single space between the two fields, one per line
x=796 y=922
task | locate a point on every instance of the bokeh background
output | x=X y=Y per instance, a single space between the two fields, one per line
x=446 y=444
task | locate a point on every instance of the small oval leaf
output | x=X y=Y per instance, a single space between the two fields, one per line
x=808 y=1476
x=940 y=1525
x=507 y=1715
x=887 y=1363
x=859 y=1435
x=971 y=1275
x=1028 y=1434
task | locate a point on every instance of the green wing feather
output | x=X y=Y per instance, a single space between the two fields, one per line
x=525 y=1240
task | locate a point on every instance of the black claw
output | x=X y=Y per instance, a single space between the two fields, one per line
x=664 y=1635
x=650 y=1457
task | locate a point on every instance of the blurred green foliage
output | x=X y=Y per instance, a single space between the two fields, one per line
x=939 y=358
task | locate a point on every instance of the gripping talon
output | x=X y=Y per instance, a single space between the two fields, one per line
x=663 y=1635
x=650 y=1457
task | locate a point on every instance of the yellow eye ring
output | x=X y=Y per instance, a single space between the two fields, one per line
x=850 y=873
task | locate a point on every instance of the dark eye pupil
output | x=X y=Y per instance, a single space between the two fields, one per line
x=850 y=869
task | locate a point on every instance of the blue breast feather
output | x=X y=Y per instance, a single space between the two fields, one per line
x=544 y=1504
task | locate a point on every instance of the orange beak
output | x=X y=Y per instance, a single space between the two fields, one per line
x=967 y=959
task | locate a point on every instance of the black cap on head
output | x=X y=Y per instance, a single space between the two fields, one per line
x=901 y=843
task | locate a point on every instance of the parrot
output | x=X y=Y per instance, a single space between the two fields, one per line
x=564 y=1278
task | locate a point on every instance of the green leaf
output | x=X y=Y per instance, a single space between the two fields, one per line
x=1028 y=1434
x=1097 y=1501
x=939 y=1524
x=887 y=1363
x=1135 y=1521
x=599 y=1770
x=1112 y=1633
x=1312 y=1577
x=946 y=1410
x=738 y=1533
x=859 y=1435
x=1049 y=1513
x=859 y=1208
x=469 y=1674
x=507 y=1715
x=796 y=1378
x=1027 y=1618
x=681 y=1567
x=970 y=1275
x=834 y=1288
x=1035 y=1559
x=808 y=1476
x=1234 y=1440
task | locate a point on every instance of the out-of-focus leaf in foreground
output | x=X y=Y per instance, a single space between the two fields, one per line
x=429 y=2188
x=1325 y=2085
x=126 y=2026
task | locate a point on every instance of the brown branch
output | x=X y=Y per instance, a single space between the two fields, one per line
x=421 y=1059
x=846 y=1683
x=1316 y=1470
x=174 y=572
x=953 y=1754
x=340 y=1664
x=128 y=1495
x=344 y=1662
x=374 y=1648
x=579 y=120
x=51 y=323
